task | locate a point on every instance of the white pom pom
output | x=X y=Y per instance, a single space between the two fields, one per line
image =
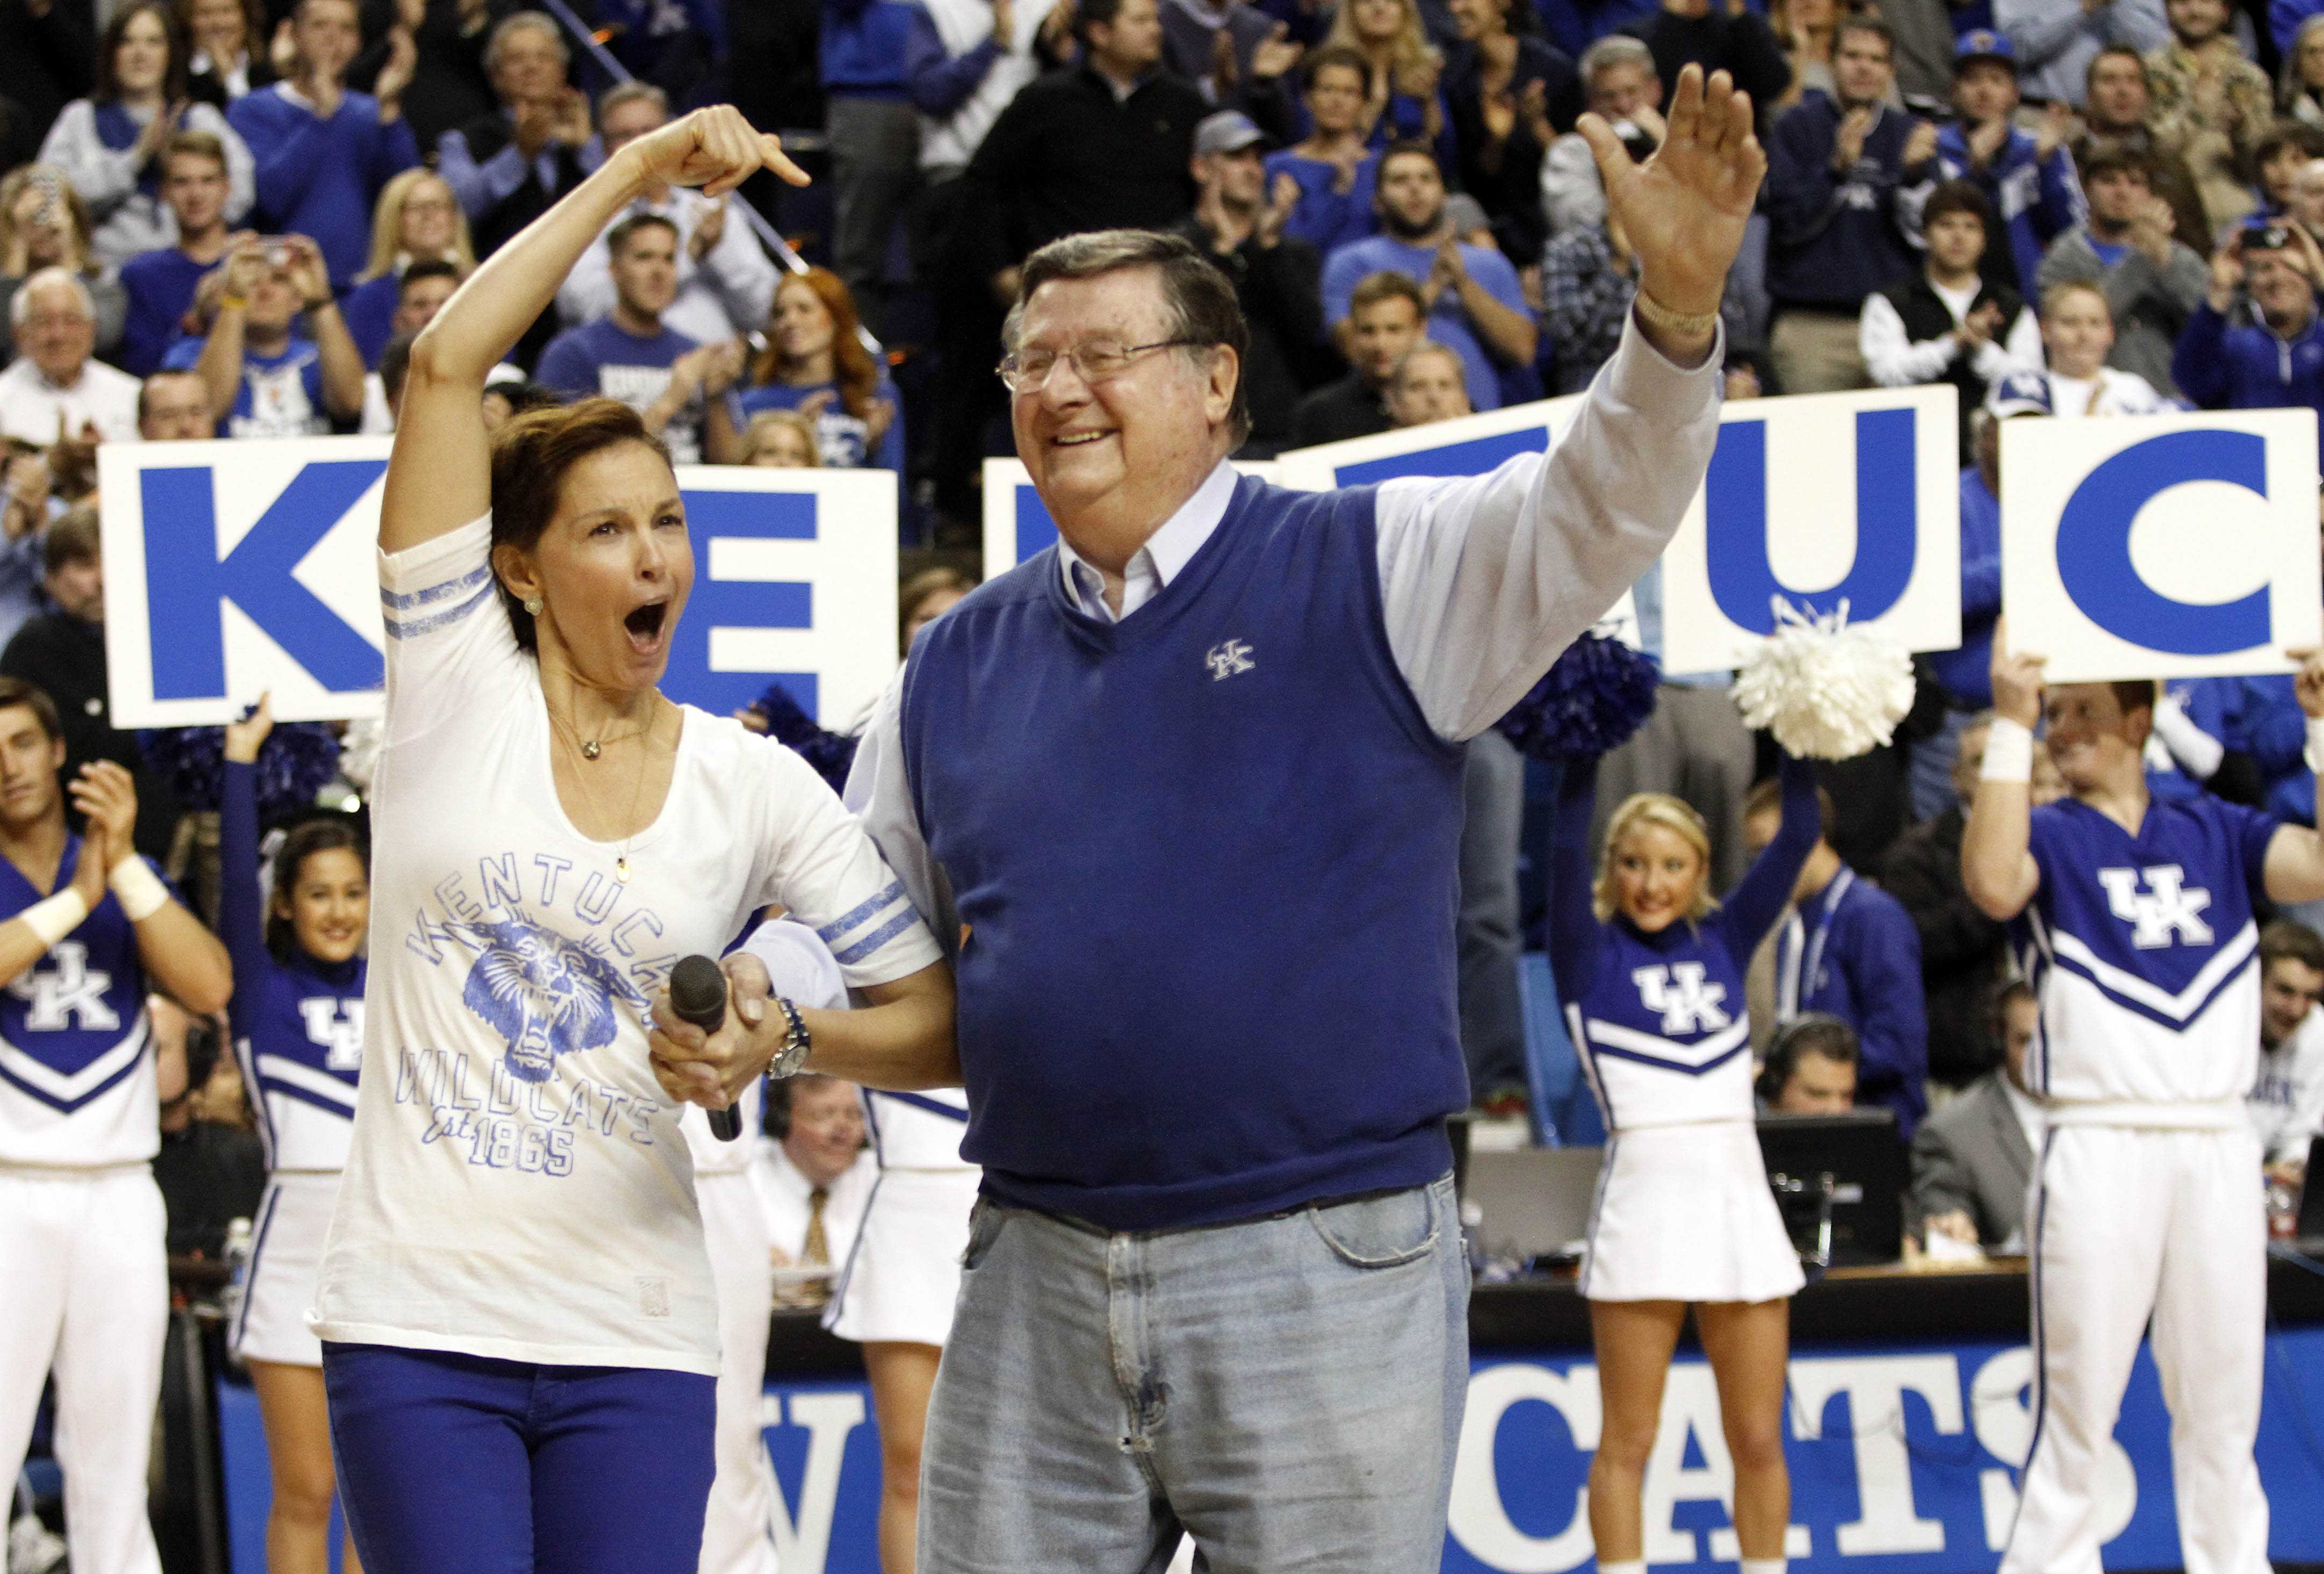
x=1826 y=690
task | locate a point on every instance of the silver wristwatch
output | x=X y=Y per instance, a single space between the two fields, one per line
x=797 y=1044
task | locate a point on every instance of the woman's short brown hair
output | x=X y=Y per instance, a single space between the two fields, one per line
x=532 y=455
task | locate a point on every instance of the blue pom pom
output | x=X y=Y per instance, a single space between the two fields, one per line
x=1591 y=700
x=832 y=754
x=295 y=762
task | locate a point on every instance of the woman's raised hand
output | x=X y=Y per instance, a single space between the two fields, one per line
x=243 y=738
x=715 y=149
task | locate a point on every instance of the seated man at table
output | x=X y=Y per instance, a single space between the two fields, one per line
x=1811 y=1069
x=1973 y=1160
x=815 y=1180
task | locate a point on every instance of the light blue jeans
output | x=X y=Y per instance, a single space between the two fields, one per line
x=1287 y=1391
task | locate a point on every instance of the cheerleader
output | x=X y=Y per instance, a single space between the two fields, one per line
x=1651 y=971
x=297 y=1016
x=897 y=1291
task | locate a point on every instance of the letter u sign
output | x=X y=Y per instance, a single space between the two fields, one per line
x=1743 y=579
x=2160 y=547
x=1820 y=499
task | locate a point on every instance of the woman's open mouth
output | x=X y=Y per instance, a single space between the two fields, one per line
x=644 y=625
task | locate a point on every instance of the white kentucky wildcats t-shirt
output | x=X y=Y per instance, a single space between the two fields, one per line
x=518 y=1186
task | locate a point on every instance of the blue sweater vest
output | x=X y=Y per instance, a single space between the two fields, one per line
x=1206 y=858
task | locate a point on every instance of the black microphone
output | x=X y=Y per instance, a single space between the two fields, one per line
x=697 y=994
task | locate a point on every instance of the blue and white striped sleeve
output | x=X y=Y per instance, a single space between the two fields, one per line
x=448 y=639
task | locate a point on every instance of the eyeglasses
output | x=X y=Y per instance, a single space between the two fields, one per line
x=1095 y=360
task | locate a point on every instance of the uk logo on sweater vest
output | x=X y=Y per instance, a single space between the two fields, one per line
x=1227 y=658
x=2166 y=913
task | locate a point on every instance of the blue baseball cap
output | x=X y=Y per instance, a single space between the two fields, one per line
x=2020 y=393
x=1982 y=44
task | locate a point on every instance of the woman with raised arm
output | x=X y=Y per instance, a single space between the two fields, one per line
x=1650 y=970
x=520 y=1332
x=297 y=1015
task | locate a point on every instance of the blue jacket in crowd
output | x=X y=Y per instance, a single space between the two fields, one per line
x=1967 y=673
x=1835 y=239
x=2038 y=201
x=864 y=46
x=2244 y=365
x=1866 y=973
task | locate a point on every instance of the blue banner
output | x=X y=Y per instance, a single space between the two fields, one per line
x=1904 y=1461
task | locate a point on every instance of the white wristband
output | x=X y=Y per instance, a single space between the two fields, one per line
x=54 y=917
x=2316 y=743
x=2009 y=751
x=138 y=889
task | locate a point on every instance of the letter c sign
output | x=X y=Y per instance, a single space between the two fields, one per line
x=2163 y=546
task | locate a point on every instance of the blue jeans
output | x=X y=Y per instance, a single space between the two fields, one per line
x=453 y=1464
x=1287 y=1391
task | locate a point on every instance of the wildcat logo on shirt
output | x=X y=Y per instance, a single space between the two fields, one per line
x=2165 y=914
x=546 y=995
x=1688 y=1000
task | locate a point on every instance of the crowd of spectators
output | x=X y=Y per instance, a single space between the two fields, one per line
x=230 y=218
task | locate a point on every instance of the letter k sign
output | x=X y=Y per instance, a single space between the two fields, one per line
x=187 y=584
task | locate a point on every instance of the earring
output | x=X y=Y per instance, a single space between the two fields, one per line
x=532 y=606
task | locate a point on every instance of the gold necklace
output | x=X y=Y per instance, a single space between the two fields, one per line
x=622 y=859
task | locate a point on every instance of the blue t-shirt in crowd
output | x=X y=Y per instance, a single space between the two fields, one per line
x=1324 y=218
x=1448 y=321
x=281 y=395
x=369 y=311
x=160 y=286
x=602 y=358
x=842 y=440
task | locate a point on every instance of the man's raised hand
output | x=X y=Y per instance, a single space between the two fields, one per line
x=715 y=149
x=1684 y=209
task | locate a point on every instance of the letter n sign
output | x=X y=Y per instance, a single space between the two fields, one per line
x=2161 y=546
x=1820 y=499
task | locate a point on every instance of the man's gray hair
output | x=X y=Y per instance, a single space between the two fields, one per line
x=622 y=93
x=20 y=307
x=1615 y=50
x=517 y=22
x=1420 y=352
x=1200 y=299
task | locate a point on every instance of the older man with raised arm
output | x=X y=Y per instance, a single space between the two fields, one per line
x=1190 y=787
